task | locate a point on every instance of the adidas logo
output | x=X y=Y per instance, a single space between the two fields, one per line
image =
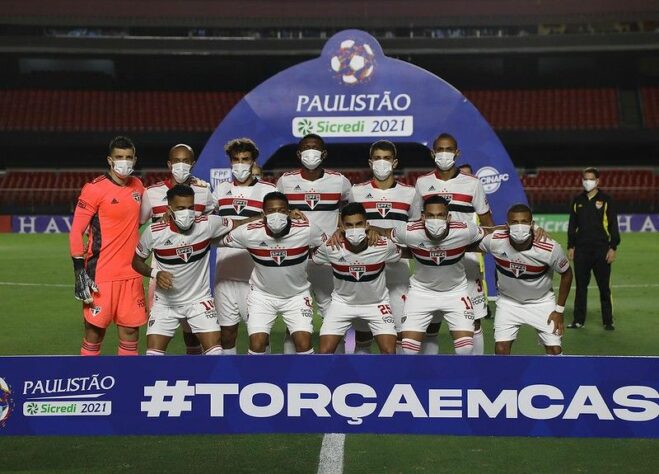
x=431 y=188
x=421 y=244
x=263 y=244
x=229 y=193
x=169 y=242
x=342 y=259
x=297 y=188
x=369 y=196
x=114 y=201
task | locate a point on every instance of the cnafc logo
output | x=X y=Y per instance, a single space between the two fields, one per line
x=353 y=63
x=491 y=178
x=6 y=402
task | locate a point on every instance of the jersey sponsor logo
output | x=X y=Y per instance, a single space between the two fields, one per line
x=357 y=271
x=136 y=196
x=239 y=205
x=312 y=199
x=491 y=179
x=383 y=208
x=437 y=256
x=278 y=256
x=184 y=253
x=518 y=269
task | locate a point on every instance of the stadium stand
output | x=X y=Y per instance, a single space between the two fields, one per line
x=153 y=111
x=650 y=106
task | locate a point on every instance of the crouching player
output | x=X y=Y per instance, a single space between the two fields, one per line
x=279 y=246
x=180 y=244
x=524 y=278
x=360 y=291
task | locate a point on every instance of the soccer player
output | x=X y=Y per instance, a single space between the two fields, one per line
x=524 y=278
x=388 y=203
x=466 y=196
x=180 y=245
x=439 y=286
x=109 y=210
x=319 y=193
x=181 y=160
x=360 y=291
x=237 y=200
x=280 y=248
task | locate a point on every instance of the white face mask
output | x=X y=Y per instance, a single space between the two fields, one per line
x=241 y=171
x=184 y=218
x=382 y=169
x=356 y=235
x=181 y=172
x=445 y=160
x=435 y=226
x=519 y=233
x=123 y=168
x=276 y=222
x=589 y=184
x=311 y=159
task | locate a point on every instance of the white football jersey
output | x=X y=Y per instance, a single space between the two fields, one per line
x=464 y=193
x=154 y=200
x=359 y=277
x=320 y=200
x=525 y=276
x=184 y=254
x=387 y=208
x=280 y=264
x=439 y=263
x=238 y=203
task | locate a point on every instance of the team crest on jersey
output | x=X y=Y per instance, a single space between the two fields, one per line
x=383 y=208
x=447 y=196
x=137 y=196
x=184 y=253
x=239 y=205
x=95 y=310
x=437 y=256
x=278 y=256
x=312 y=199
x=356 y=271
x=517 y=269
x=599 y=204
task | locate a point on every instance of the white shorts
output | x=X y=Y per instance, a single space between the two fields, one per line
x=262 y=310
x=185 y=327
x=200 y=316
x=478 y=299
x=512 y=314
x=425 y=306
x=374 y=317
x=322 y=285
x=231 y=301
x=398 y=282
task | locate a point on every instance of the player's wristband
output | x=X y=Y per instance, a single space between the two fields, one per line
x=78 y=264
x=154 y=272
x=559 y=308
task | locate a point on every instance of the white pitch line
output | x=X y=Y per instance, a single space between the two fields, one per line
x=331 y=454
x=16 y=283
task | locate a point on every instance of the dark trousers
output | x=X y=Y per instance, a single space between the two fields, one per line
x=586 y=260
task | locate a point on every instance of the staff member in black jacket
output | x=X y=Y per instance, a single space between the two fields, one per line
x=592 y=240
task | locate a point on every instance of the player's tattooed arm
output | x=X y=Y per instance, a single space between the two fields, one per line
x=164 y=280
x=298 y=215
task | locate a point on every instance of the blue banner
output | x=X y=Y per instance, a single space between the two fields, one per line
x=486 y=395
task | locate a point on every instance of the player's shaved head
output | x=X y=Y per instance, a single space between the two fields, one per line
x=181 y=152
x=519 y=213
x=445 y=137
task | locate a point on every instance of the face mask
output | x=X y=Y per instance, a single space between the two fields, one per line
x=435 y=227
x=123 y=168
x=382 y=169
x=445 y=160
x=520 y=233
x=589 y=184
x=311 y=158
x=184 y=218
x=276 y=222
x=181 y=172
x=356 y=235
x=241 y=171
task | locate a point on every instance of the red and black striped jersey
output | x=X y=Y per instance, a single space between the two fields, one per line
x=464 y=193
x=154 y=202
x=387 y=208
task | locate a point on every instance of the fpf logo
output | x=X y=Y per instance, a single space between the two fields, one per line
x=6 y=402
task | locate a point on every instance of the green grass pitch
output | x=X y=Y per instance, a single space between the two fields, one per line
x=38 y=315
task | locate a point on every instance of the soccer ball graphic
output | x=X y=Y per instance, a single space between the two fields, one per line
x=353 y=62
x=5 y=401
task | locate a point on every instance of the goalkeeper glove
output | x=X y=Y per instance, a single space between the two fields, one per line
x=84 y=285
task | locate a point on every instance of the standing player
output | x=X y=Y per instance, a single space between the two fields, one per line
x=237 y=200
x=388 y=203
x=524 y=278
x=180 y=162
x=439 y=287
x=360 y=291
x=280 y=249
x=466 y=196
x=319 y=193
x=109 y=210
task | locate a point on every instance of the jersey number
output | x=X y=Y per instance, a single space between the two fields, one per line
x=208 y=305
x=384 y=309
x=467 y=302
